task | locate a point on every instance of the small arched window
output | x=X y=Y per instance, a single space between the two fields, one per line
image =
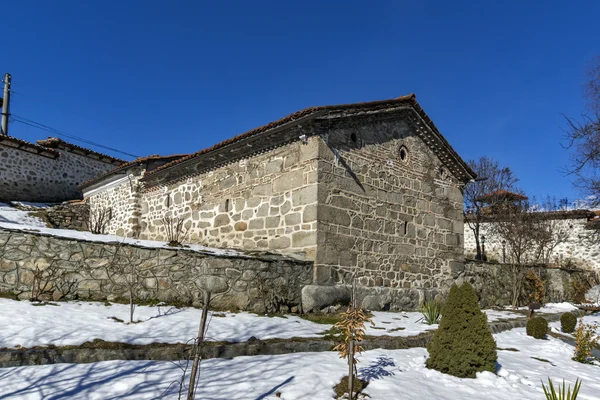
x=403 y=153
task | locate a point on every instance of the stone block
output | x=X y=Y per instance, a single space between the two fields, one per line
x=315 y=298
x=452 y=239
x=258 y=223
x=293 y=219
x=304 y=239
x=272 y=222
x=310 y=213
x=213 y=284
x=288 y=181
x=280 y=243
x=274 y=166
x=405 y=249
x=343 y=202
x=263 y=210
x=334 y=216
x=304 y=195
x=240 y=226
x=261 y=190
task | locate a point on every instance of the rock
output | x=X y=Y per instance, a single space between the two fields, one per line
x=593 y=295
x=57 y=295
x=376 y=302
x=314 y=297
x=213 y=284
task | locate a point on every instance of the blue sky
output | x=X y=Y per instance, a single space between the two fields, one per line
x=158 y=77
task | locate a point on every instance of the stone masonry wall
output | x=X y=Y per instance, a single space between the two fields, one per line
x=31 y=177
x=265 y=202
x=494 y=282
x=580 y=248
x=258 y=282
x=68 y=215
x=396 y=224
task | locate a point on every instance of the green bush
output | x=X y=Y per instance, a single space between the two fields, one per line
x=431 y=311
x=462 y=345
x=537 y=327
x=568 y=322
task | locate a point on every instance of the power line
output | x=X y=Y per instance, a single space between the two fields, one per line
x=34 y=124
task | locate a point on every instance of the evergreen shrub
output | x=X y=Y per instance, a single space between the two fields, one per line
x=568 y=322
x=537 y=327
x=462 y=345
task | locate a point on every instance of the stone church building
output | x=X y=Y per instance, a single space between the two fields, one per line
x=370 y=192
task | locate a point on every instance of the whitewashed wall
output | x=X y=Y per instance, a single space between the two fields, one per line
x=579 y=247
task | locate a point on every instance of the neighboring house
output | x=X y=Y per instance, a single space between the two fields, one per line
x=49 y=171
x=115 y=196
x=370 y=191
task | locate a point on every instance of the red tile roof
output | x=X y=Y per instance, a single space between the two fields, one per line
x=56 y=143
x=122 y=167
x=370 y=106
x=503 y=195
x=31 y=147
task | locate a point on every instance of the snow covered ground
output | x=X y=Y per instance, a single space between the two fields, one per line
x=71 y=323
x=11 y=215
x=393 y=374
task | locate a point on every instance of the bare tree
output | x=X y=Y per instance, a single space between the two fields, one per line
x=129 y=274
x=583 y=137
x=557 y=231
x=198 y=341
x=530 y=231
x=99 y=219
x=52 y=279
x=491 y=178
x=520 y=229
x=174 y=230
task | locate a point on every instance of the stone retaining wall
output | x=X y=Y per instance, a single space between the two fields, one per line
x=494 y=282
x=72 y=268
x=74 y=216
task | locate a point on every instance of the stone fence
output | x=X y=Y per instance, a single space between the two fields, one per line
x=69 y=215
x=495 y=282
x=39 y=265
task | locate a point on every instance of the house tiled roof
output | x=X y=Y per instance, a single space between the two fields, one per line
x=56 y=143
x=125 y=166
x=541 y=215
x=503 y=195
x=28 y=146
x=307 y=112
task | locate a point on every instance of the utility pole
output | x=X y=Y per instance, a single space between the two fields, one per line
x=5 y=104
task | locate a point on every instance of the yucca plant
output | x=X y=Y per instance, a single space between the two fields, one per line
x=431 y=310
x=552 y=394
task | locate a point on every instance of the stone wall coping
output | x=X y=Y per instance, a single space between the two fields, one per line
x=77 y=236
x=24 y=145
x=525 y=266
x=544 y=215
x=252 y=347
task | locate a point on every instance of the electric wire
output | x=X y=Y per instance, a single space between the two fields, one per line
x=38 y=125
